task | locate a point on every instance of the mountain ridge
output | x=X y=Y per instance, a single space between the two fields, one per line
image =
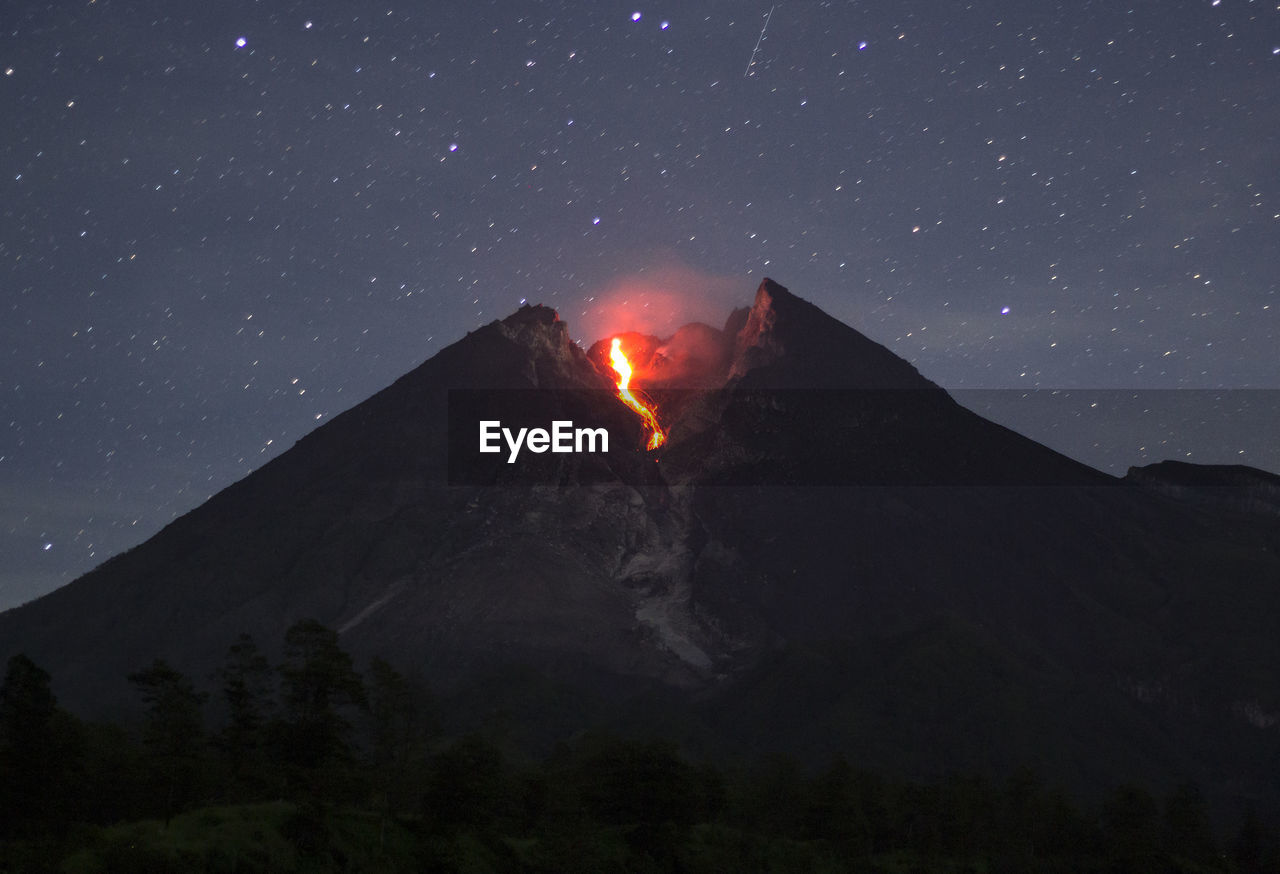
x=829 y=556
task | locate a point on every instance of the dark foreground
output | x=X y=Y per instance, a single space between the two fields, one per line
x=314 y=767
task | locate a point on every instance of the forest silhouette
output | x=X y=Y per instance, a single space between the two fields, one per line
x=310 y=766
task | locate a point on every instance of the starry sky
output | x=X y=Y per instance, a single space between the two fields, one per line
x=221 y=224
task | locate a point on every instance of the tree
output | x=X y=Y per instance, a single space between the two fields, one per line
x=773 y=799
x=1022 y=813
x=470 y=787
x=967 y=813
x=319 y=685
x=834 y=810
x=1130 y=823
x=1188 y=832
x=640 y=782
x=35 y=748
x=401 y=724
x=247 y=681
x=172 y=732
x=1254 y=849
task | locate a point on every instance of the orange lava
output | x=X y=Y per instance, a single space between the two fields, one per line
x=623 y=368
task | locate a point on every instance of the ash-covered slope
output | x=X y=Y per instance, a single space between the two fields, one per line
x=356 y=526
x=827 y=556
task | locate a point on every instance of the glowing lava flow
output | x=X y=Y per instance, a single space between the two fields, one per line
x=623 y=369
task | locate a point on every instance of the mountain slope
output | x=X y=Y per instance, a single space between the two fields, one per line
x=829 y=555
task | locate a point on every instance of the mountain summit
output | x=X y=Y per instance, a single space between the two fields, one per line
x=827 y=556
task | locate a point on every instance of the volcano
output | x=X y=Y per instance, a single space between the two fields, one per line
x=827 y=555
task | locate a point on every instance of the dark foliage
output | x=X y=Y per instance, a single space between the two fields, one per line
x=247 y=687
x=93 y=798
x=38 y=752
x=172 y=734
x=319 y=688
x=402 y=722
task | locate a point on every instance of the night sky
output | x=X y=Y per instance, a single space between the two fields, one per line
x=223 y=223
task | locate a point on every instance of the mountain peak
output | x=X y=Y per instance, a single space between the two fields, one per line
x=789 y=342
x=775 y=572
x=535 y=313
x=531 y=348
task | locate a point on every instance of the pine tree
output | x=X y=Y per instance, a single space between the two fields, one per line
x=35 y=753
x=1188 y=832
x=319 y=687
x=173 y=732
x=402 y=722
x=247 y=681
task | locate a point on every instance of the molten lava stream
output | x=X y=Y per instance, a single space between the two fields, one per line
x=623 y=368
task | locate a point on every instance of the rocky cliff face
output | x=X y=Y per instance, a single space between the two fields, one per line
x=828 y=556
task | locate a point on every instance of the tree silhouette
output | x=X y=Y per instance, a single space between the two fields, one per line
x=470 y=787
x=1254 y=850
x=1188 y=832
x=835 y=812
x=247 y=681
x=37 y=748
x=172 y=732
x=1130 y=823
x=318 y=687
x=402 y=722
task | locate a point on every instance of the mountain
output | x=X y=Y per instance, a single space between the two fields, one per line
x=828 y=555
x=1233 y=488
